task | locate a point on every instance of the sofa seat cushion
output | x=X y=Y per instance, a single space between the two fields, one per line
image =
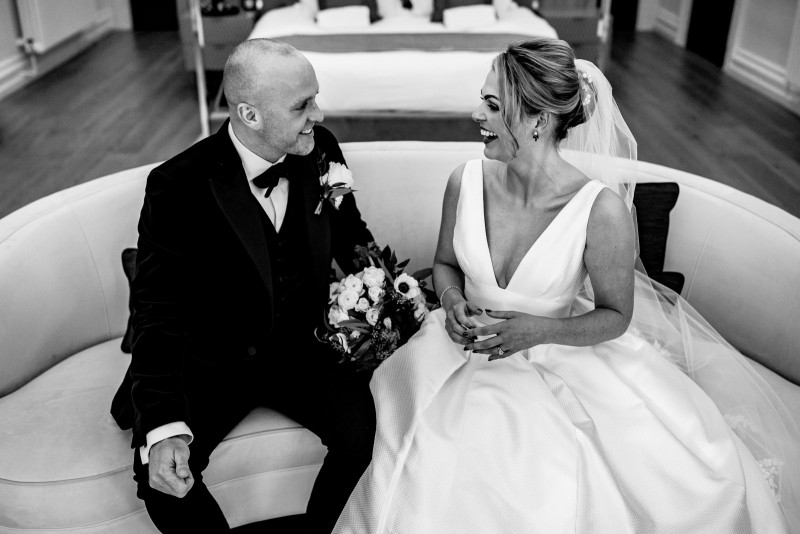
x=65 y=463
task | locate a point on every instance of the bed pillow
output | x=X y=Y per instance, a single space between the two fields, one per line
x=344 y=17
x=440 y=5
x=371 y=4
x=466 y=17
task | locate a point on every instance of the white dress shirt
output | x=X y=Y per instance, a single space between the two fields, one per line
x=275 y=208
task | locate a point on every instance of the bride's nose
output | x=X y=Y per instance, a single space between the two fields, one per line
x=478 y=115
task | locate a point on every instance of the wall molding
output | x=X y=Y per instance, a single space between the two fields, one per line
x=666 y=24
x=14 y=74
x=766 y=77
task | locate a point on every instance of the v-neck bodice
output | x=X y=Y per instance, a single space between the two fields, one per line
x=552 y=271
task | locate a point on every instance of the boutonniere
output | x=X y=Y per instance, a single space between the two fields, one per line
x=336 y=181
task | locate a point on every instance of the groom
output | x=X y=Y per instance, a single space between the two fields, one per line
x=232 y=279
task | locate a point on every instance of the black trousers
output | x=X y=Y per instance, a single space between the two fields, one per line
x=307 y=386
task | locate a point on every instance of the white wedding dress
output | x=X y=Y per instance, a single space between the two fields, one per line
x=613 y=438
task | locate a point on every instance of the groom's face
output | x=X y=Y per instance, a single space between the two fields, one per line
x=289 y=108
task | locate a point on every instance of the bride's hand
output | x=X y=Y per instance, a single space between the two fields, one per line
x=458 y=320
x=519 y=331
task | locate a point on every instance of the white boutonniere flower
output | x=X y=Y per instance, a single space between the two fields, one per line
x=336 y=181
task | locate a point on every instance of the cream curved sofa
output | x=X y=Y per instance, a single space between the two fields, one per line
x=64 y=464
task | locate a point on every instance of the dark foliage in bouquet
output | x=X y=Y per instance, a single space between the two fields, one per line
x=376 y=311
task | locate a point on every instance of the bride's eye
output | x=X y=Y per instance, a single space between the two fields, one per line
x=491 y=106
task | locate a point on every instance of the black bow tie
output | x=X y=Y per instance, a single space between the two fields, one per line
x=269 y=178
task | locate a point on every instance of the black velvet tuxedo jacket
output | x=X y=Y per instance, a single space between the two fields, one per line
x=203 y=295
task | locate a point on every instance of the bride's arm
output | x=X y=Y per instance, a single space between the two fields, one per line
x=609 y=258
x=448 y=280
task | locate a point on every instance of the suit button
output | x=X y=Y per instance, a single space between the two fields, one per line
x=251 y=351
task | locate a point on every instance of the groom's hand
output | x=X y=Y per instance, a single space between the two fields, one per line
x=169 y=467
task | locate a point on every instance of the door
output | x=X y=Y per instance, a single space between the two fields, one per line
x=709 y=24
x=149 y=15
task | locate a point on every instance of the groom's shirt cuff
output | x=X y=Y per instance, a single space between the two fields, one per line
x=170 y=430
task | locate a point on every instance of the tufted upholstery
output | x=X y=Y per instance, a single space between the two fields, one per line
x=65 y=465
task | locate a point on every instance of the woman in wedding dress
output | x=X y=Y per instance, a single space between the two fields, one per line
x=557 y=390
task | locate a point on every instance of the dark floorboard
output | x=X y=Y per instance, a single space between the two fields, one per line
x=686 y=114
x=124 y=102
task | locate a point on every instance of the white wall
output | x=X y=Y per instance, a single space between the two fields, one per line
x=764 y=48
x=646 y=15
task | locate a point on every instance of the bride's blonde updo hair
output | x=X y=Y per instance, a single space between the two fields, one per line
x=539 y=75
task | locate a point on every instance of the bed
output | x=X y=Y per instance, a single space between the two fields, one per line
x=389 y=71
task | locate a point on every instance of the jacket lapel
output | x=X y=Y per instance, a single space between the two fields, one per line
x=235 y=200
x=305 y=174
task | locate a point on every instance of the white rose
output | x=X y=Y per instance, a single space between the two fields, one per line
x=347 y=299
x=372 y=316
x=353 y=283
x=336 y=315
x=375 y=293
x=407 y=286
x=387 y=322
x=373 y=276
x=362 y=305
x=355 y=334
x=340 y=174
x=343 y=340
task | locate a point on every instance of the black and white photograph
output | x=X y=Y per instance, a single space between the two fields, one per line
x=400 y=266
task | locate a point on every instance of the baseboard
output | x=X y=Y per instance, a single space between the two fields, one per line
x=768 y=78
x=14 y=74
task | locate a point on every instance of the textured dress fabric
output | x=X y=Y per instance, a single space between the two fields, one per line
x=612 y=438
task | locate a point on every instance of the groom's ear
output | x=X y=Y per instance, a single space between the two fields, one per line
x=248 y=115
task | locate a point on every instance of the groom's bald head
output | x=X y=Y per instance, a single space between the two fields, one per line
x=251 y=65
x=271 y=90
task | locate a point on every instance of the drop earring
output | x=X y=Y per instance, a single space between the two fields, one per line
x=536 y=135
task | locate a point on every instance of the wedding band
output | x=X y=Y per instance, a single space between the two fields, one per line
x=500 y=351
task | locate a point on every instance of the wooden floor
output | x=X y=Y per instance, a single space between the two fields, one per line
x=128 y=101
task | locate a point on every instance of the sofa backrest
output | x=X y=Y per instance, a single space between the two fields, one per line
x=62 y=288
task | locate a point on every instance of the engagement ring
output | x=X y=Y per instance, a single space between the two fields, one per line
x=500 y=351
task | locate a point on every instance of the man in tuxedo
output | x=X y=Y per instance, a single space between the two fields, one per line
x=231 y=281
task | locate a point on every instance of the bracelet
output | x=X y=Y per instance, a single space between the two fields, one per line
x=448 y=288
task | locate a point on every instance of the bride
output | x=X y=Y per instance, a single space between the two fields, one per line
x=557 y=390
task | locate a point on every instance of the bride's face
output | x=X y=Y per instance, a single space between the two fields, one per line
x=488 y=115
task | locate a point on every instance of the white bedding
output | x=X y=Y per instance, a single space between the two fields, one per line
x=402 y=80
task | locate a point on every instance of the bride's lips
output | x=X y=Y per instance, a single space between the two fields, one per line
x=488 y=136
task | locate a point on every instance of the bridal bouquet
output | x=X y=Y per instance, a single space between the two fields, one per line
x=374 y=312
